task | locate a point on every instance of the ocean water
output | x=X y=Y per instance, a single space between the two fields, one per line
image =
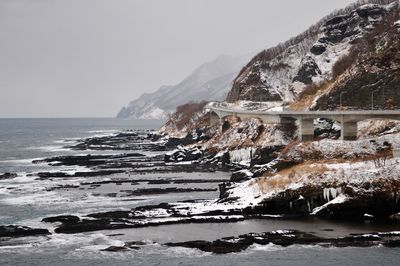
x=26 y=201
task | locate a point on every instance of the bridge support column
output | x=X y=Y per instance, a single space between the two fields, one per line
x=214 y=119
x=306 y=129
x=349 y=131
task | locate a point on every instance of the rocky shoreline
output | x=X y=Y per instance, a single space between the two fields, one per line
x=287 y=204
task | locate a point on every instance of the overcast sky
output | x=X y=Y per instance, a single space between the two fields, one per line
x=88 y=58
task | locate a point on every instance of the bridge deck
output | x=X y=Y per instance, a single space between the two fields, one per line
x=306 y=113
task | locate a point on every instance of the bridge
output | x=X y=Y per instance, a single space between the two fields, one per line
x=305 y=119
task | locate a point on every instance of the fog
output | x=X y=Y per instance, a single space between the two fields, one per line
x=88 y=58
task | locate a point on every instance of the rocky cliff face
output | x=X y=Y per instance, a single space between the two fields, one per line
x=211 y=81
x=282 y=73
x=372 y=80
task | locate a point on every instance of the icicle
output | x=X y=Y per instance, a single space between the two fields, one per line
x=326 y=194
x=290 y=205
x=333 y=192
x=309 y=206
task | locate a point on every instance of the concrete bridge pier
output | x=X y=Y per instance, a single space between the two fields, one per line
x=306 y=129
x=349 y=130
x=214 y=119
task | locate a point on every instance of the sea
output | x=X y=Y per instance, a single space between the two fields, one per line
x=24 y=200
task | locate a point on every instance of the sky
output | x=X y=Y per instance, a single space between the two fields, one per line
x=88 y=58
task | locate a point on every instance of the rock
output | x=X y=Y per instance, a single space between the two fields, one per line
x=21 y=231
x=286 y=238
x=318 y=48
x=265 y=155
x=8 y=176
x=62 y=219
x=88 y=226
x=240 y=176
x=153 y=191
x=116 y=248
x=182 y=154
x=370 y=11
x=112 y=215
x=392 y=243
x=307 y=71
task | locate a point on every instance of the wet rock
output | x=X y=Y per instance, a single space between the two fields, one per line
x=62 y=219
x=112 y=215
x=127 y=140
x=392 y=243
x=21 y=231
x=8 y=176
x=116 y=248
x=47 y=175
x=285 y=238
x=86 y=225
x=128 y=246
x=152 y=191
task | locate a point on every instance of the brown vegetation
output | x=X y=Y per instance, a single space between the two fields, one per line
x=307 y=96
x=184 y=114
x=343 y=63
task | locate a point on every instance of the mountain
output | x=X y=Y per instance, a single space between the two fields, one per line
x=210 y=81
x=304 y=64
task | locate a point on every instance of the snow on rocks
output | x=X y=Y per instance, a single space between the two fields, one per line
x=338 y=200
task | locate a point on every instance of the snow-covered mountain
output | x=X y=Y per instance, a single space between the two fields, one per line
x=210 y=81
x=283 y=72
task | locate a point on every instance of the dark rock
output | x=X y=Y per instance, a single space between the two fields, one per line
x=336 y=20
x=318 y=48
x=112 y=215
x=88 y=226
x=152 y=191
x=62 y=219
x=285 y=238
x=307 y=71
x=116 y=248
x=47 y=175
x=182 y=154
x=265 y=155
x=241 y=176
x=392 y=243
x=21 y=231
x=370 y=11
x=8 y=176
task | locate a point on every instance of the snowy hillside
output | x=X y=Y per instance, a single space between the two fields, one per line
x=283 y=72
x=210 y=81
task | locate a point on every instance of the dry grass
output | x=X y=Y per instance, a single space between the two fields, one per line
x=292 y=175
x=307 y=96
